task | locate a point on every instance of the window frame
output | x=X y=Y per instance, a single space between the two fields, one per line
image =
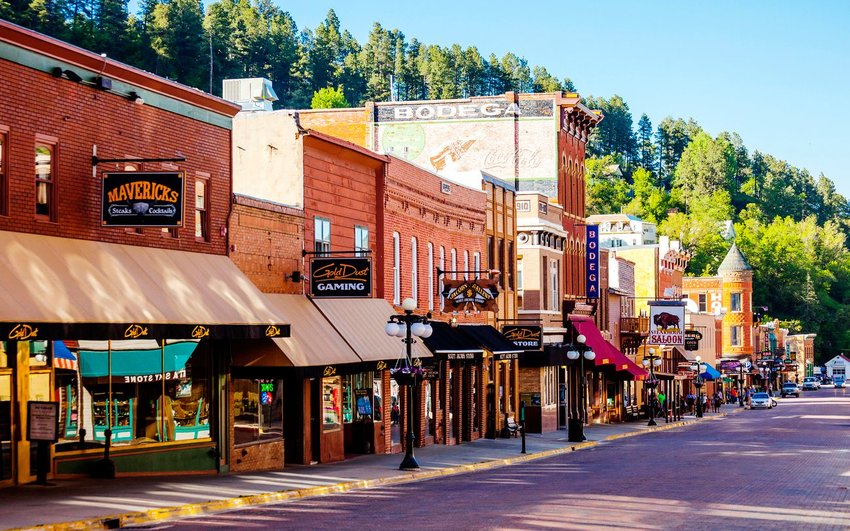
x=4 y=170
x=414 y=269
x=430 y=276
x=202 y=215
x=359 y=233
x=736 y=308
x=396 y=269
x=736 y=333
x=321 y=246
x=702 y=302
x=52 y=144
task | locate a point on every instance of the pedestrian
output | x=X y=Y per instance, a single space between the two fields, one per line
x=662 y=408
x=718 y=400
x=691 y=400
x=733 y=395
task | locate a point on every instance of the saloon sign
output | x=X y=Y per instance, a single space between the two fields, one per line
x=142 y=199
x=471 y=295
x=341 y=277
x=526 y=337
x=666 y=323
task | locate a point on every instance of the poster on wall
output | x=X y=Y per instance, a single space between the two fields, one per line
x=666 y=323
x=142 y=199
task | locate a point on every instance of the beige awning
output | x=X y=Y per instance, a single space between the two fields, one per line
x=63 y=288
x=361 y=322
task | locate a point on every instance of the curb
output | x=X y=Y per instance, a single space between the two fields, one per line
x=227 y=504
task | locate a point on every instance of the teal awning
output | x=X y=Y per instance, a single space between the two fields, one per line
x=136 y=362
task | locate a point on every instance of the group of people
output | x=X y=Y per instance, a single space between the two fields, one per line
x=709 y=402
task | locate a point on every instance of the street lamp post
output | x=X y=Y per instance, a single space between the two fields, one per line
x=580 y=352
x=651 y=361
x=698 y=381
x=406 y=326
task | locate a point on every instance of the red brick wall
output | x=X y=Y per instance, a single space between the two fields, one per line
x=414 y=206
x=35 y=103
x=265 y=243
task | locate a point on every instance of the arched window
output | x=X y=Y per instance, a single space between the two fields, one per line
x=466 y=263
x=430 y=277
x=440 y=280
x=396 y=270
x=454 y=263
x=414 y=271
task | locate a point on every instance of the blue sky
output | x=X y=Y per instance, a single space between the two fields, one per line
x=773 y=71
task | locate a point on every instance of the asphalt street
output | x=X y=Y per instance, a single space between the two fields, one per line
x=783 y=468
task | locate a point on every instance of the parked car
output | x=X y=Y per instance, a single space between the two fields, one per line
x=810 y=383
x=790 y=388
x=839 y=382
x=761 y=400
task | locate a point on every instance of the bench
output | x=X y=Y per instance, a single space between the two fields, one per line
x=511 y=427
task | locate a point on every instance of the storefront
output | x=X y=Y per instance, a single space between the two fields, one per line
x=131 y=343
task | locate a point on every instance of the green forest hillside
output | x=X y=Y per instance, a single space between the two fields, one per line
x=791 y=226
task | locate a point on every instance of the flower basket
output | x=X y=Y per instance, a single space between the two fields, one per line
x=407 y=375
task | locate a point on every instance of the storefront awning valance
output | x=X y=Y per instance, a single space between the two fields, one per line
x=361 y=322
x=448 y=342
x=313 y=341
x=133 y=358
x=491 y=339
x=60 y=288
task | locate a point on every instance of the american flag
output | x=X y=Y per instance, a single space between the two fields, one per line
x=62 y=357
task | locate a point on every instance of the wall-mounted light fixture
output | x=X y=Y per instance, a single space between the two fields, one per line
x=135 y=98
x=295 y=276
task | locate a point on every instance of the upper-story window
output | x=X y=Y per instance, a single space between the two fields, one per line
x=430 y=276
x=202 y=210
x=511 y=265
x=414 y=270
x=361 y=240
x=736 y=335
x=396 y=269
x=703 y=302
x=321 y=235
x=45 y=180
x=441 y=277
x=454 y=263
x=4 y=171
x=519 y=282
x=466 y=265
x=735 y=302
x=554 y=285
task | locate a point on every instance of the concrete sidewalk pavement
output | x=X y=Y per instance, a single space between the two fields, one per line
x=107 y=504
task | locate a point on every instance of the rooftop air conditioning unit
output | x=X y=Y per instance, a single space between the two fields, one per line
x=252 y=94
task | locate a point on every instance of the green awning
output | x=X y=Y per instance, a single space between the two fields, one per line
x=135 y=362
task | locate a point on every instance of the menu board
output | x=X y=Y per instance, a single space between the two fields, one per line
x=42 y=421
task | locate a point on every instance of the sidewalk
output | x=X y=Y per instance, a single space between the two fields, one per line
x=106 y=504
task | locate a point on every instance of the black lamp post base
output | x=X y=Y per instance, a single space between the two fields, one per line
x=409 y=463
x=575 y=431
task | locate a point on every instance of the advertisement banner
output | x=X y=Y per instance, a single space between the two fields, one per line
x=477 y=295
x=666 y=323
x=142 y=199
x=524 y=336
x=341 y=277
x=592 y=261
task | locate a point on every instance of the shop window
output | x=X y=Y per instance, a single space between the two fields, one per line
x=331 y=404
x=202 y=210
x=45 y=180
x=4 y=171
x=321 y=235
x=361 y=240
x=377 y=394
x=735 y=302
x=357 y=399
x=144 y=391
x=257 y=410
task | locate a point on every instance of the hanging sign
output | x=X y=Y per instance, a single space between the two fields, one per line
x=591 y=255
x=524 y=336
x=142 y=199
x=666 y=323
x=692 y=339
x=341 y=277
x=471 y=295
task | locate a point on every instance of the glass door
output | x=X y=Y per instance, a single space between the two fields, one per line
x=6 y=460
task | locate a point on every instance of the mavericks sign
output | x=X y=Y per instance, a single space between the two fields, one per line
x=341 y=277
x=142 y=199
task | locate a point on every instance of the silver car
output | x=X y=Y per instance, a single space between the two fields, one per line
x=761 y=400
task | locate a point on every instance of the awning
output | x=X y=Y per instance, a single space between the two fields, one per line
x=710 y=372
x=447 y=342
x=134 y=359
x=491 y=339
x=361 y=323
x=63 y=358
x=313 y=341
x=60 y=288
x=553 y=354
x=606 y=353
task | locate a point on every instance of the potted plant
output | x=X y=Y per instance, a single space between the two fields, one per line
x=407 y=375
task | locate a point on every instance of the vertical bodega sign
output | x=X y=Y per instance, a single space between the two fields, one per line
x=142 y=199
x=591 y=255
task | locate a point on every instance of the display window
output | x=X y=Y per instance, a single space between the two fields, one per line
x=331 y=404
x=257 y=410
x=143 y=391
x=357 y=398
x=377 y=402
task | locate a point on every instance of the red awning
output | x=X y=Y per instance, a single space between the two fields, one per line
x=606 y=353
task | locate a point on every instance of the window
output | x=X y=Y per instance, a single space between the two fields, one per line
x=491 y=253
x=466 y=265
x=511 y=265
x=440 y=279
x=703 y=302
x=361 y=240
x=321 y=235
x=257 y=410
x=519 y=283
x=476 y=261
x=414 y=271
x=736 y=333
x=735 y=302
x=331 y=404
x=545 y=286
x=202 y=218
x=554 y=285
x=501 y=250
x=454 y=263
x=396 y=270
x=45 y=182
x=4 y=171
x=430 y=276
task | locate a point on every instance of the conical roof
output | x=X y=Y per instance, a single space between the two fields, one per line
x=734 y=261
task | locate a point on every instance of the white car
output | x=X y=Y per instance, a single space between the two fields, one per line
x=761 y=400
x=810 y=383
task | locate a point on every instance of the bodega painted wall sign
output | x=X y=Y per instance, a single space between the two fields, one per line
x=142 y=199
x=341 y=277
x=525 y=337
x=592 y=261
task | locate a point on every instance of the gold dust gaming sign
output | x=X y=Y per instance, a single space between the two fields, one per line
x=525 y=337
x=341 y=277
x=143 y=199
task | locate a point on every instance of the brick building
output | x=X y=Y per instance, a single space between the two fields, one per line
x=114 y=201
